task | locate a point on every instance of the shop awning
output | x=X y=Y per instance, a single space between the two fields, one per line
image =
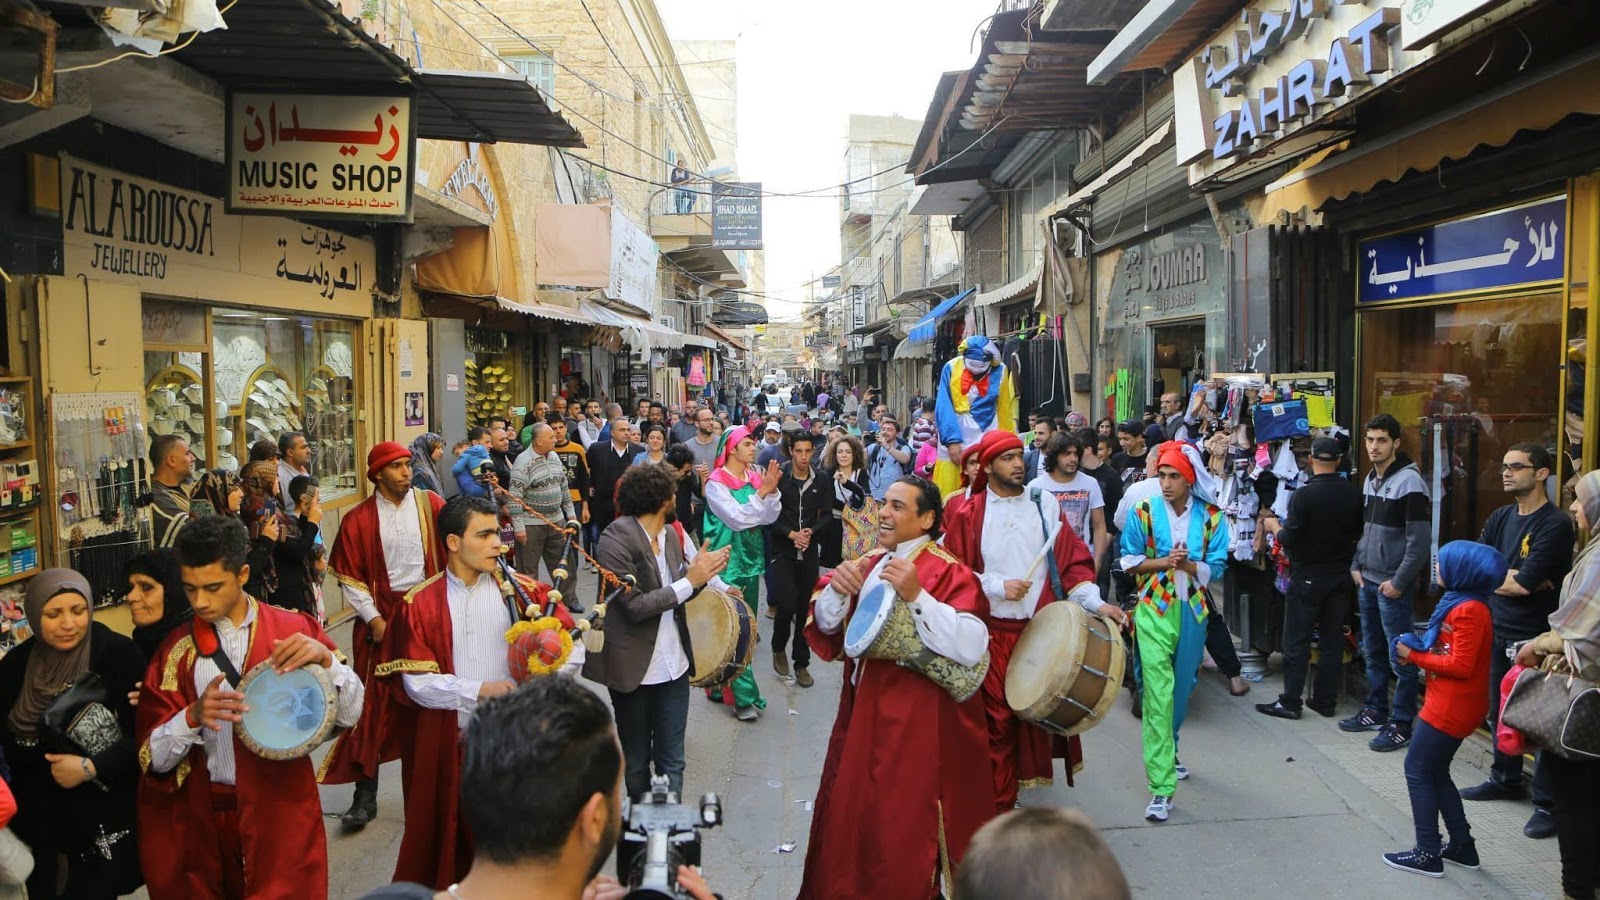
x=870 y=327
x=725 y=337
x=1011 y=290
x=307 y=44
x=928 y=326
x=695 y=340
x=546 y=311
x=909 y=349
x=637 y=331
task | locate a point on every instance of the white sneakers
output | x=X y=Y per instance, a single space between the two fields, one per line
x=1160 y=807
x=1183 y=771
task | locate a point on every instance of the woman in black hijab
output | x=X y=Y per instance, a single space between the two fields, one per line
x=155 y=598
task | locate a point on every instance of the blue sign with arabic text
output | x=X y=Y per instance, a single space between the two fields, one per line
x=1505 y=248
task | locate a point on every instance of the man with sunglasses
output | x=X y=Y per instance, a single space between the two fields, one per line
x=1535 y=537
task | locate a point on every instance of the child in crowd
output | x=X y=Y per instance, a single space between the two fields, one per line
x=1453 y=655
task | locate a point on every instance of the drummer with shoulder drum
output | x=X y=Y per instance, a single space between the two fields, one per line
x=231 y=823
x=1026 y=555
x=646 y=661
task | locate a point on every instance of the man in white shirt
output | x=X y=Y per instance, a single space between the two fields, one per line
x=1026 y=555
x=1077 y=492
x=262 y=833
x=385 y=547
x=646 y=665
x=447 y=649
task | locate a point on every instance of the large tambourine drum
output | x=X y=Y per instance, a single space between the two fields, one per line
x=723 y=636
x=289 y=714
x=881 y=627
x=1066 y=669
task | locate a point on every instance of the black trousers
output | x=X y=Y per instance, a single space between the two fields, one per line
x=1320 y=604
x=1219 y=643
x=789 y=585
x=1577 y=823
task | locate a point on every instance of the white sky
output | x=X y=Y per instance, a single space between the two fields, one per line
x=804 y=67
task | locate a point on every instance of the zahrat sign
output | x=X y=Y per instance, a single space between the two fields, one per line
x=320 y=156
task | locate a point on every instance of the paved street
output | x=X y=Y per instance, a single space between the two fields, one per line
x=1274 y=808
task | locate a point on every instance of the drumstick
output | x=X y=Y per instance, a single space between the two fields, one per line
x=1039 y=560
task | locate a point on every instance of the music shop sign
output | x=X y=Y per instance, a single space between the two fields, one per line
x=1279 y=68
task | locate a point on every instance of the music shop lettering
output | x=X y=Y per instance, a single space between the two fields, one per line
x=1168 y=279
x=126 y=212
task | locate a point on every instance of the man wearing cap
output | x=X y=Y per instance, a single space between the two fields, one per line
x=975 y=394
x=771 y=448
x=739 y=504
x=1002 y=533
x=386 y=546
x=1171 y=546
x=1319 y=537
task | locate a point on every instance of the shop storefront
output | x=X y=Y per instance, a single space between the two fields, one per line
x=1164 y=319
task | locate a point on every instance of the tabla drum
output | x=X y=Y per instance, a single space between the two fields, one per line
x=722 y=635
x=1066 y=669
x=881 y=627
x=290 y=714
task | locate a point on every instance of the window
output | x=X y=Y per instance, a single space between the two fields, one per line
x=537 y=68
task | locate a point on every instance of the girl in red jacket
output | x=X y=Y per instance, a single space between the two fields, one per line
x=1454 y=657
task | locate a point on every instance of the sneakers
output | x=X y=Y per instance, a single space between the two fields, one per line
x=802 y=677
x=1159 y=809
x=747 y=714
x=1182 y=770
x=1418 y=861
x=780 y=663
x=1391 y=737
x=1277 y=710
x=1368 y=719
x=1493 y=790
x=1540 y=825
x=1464 y=854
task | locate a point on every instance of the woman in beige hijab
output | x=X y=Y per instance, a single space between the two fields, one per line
x=74 y=808
x=1574 y=637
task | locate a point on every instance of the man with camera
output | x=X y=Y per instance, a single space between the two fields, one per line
x=539 y=793
x=646 y=661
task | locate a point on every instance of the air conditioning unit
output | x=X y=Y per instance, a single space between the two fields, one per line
x=697 y=313
x=669 y=321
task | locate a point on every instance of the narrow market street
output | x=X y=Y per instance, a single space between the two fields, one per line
x=1274 y=807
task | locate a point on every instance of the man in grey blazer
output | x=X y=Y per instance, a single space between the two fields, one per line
x=647 y=658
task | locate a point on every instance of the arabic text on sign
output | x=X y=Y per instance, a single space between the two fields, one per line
x=1512 y=246
x=289 y=131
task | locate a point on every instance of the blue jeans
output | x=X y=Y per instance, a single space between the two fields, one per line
x=1383 y=620
x=1433 y=794
x=651 y=721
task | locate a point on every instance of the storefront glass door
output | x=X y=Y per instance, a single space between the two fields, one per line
x=1177 y=357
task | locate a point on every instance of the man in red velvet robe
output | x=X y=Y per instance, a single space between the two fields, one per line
x=219 y=821
x=1000 y=533
x=905 y=783
x=387 y=545
x=447 y=651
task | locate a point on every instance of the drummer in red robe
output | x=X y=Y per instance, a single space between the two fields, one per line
x=1001 y=532
x=218 y=820
x=447 y=649
x=386 y=546
x=905 y=783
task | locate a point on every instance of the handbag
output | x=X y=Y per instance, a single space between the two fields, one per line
x=79 y=720
x=860 y=530
x=1559 y=712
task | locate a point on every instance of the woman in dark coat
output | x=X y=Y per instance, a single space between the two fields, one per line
x=845 y=461
x=75 y=811
x=155 y=598
x=281 y=566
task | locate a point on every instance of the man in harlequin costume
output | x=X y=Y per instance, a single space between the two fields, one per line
x=975 y=395
x=739 y=503
x=1172 y=546
x=443 y=672
x=905 y=782
x=220 y=821
x=999 y=532
x=386 y=546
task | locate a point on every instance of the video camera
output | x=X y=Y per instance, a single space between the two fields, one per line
x=662 y=834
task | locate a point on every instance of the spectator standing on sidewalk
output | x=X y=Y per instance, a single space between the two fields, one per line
x=1535 y=537
x=1320 y=535
x=1390 y=557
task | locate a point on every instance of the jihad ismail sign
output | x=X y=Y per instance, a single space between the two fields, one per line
x=320 y=157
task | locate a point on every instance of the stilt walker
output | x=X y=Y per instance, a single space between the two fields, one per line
x=975 y=395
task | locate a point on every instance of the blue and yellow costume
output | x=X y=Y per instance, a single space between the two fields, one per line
x=975 y=395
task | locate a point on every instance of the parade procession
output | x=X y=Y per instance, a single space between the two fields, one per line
x=689 y=449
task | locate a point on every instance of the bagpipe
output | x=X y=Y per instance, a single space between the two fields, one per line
x=540 y=643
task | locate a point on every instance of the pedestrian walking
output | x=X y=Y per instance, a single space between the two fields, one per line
x=806 y=497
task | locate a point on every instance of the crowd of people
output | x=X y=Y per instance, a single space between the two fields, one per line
x=818 y=498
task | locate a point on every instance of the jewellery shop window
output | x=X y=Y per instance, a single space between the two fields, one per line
x=1462 y=368
x=491 y=375
x=275 y=374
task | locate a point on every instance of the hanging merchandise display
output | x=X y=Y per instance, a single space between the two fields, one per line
x=101 y=449
x=490 y=375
